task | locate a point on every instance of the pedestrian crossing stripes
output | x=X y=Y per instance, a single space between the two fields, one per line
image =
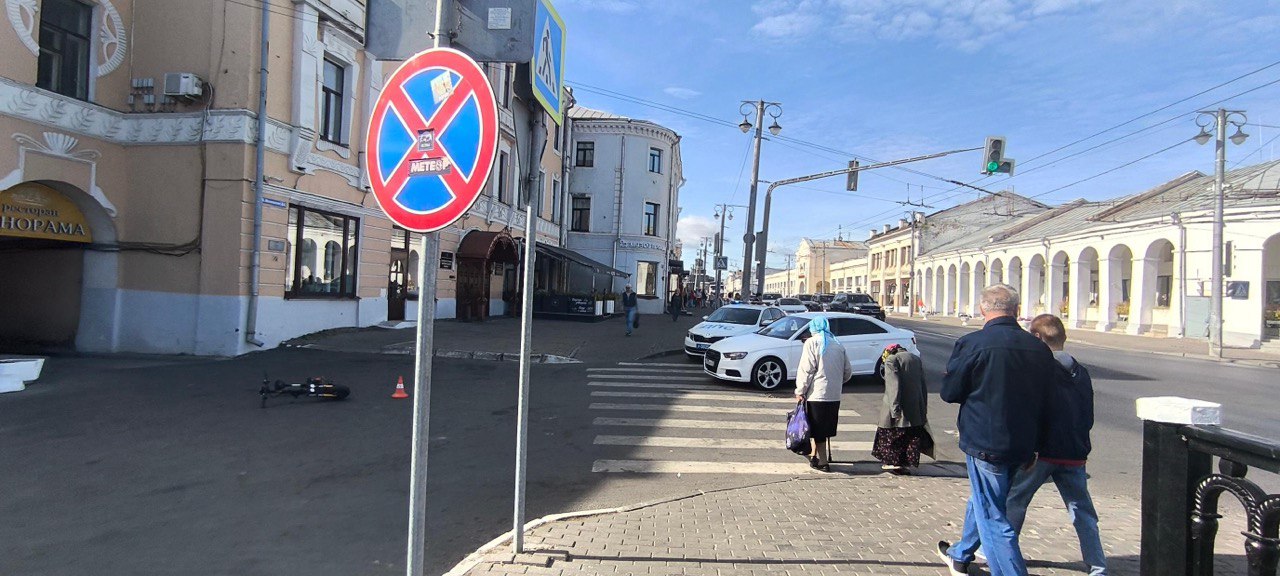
x=671 y=418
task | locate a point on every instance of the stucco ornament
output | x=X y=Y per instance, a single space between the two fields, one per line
x=23 y=17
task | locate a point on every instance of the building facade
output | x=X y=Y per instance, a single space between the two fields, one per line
x=810 y=269
x=624 y=191
x=128 y=179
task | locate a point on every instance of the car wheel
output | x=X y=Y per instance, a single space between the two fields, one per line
x=768 y=374
x=878 y=375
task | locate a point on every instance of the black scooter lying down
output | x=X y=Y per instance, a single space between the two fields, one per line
x=314 y=387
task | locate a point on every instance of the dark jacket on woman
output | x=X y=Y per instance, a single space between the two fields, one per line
x=906 y=399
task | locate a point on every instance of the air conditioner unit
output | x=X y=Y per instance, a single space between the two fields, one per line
x=183 y=85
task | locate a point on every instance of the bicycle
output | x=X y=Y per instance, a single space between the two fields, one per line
x=314 y=387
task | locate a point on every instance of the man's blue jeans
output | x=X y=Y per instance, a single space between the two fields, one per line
x=985 y=522
x=1072 y=485
x=631 y=319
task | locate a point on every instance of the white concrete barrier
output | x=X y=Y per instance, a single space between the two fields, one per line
x=16 y=372
x=1176 y=410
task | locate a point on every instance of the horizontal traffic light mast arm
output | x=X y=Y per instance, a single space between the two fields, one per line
x=831 y=173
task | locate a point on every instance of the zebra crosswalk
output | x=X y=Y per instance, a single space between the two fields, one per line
x=671 y=418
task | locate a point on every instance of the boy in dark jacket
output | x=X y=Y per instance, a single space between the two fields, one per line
x=1064 y=447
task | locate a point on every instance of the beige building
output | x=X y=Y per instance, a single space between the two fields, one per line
x=890 y=252
x=850 y=276
x=127 y=179
x=810 y=269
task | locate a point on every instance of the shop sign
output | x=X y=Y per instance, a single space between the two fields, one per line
x=639 y=245
x=35 y=211
x=446 y=260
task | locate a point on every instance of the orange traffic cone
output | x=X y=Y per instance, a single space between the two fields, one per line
x=399 y=393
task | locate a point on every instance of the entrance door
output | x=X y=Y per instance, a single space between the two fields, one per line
x=396 y=286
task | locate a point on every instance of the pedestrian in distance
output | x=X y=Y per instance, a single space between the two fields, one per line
x=903 y=430
x=677 y=304
x=1064 y=448
x=999 y=376
x=629 y=308
x=823 y=370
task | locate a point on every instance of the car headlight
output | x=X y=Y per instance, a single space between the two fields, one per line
x=734 y=355
x=689 y=335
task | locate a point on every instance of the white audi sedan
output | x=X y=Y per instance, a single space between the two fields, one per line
x=792 y=306
x=726 y=321
x=769 y=357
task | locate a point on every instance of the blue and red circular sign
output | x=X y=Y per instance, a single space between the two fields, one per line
x=432 y=139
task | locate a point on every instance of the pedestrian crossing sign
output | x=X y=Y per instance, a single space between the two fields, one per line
x=548 y=60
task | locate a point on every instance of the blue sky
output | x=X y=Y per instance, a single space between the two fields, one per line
x=888 y=79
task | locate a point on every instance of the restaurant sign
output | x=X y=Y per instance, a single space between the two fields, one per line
x=34 y=211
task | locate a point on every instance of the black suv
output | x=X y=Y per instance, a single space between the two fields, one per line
x=857 y=304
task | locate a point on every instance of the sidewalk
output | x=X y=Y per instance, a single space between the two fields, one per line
x=604 y=341
x=1184 y=347
x=834 y=524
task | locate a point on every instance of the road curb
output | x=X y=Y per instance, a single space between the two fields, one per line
x=662 y=354
x=478 y=556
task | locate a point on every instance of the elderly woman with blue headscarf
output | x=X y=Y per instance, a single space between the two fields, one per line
x=824 y=368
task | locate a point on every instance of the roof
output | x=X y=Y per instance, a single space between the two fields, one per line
x=583 y=113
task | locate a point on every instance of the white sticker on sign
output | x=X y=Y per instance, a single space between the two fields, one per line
x=441 y=88
x=499 y=18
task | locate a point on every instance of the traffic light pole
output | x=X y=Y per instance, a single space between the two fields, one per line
x=768 y=195
x=748 y=240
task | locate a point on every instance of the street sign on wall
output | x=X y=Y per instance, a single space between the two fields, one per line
x=488 y=30
x=433 y=135
x=548 y=60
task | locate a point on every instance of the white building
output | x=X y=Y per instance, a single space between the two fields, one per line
x=624 y=189
x=1138 y=264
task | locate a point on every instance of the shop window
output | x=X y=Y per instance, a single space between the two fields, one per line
x=655 y=160
x=330 y=273
x=581 y=214
x=1164 y=291
x=402 y=239
x=647 y=278
x=585 y=155
x=650 y=219
x=332 y=100
x=63 y=65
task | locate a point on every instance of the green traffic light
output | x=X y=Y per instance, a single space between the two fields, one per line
x=993 y=166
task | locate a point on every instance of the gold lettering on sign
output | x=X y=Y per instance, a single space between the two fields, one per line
x=36 y=211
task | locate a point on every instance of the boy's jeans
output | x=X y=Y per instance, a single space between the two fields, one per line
x=985 y=522
x=1071 y=482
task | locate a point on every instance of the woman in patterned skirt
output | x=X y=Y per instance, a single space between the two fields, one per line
x=903 y=429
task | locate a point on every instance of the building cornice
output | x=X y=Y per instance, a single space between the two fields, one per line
x=646 y=129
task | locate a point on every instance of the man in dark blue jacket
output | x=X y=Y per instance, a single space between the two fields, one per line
x=999 y=376
x=1064 y=448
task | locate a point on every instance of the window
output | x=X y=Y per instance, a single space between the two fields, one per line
x=331 y=102
x=556 y=142
x=502 y=178
x=557 y=211
x=63 y=66
x=409 y=242
x=506 y=85
x=329 y=272
x=903 y=254
x=1164 y=289
x=650 y=219
x=854 y=327
x=585 y=155
x=647 y=278
x=655 y=160
x=581 y=214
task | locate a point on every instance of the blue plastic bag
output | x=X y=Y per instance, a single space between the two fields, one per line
x=798 y=431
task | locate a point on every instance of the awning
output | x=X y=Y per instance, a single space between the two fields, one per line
x=495 y=246
x=567 y=254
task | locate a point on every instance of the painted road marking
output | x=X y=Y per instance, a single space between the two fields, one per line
x=681 y=378
x=769 y=426
x=725 y=443
x=695 y=369
x=702 y=467
x=660 y=385
x=724 y=396
x=703 y=408
x=681 y=365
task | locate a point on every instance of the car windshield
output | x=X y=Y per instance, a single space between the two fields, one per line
x=826 y=298
x=790 y=302
x=734 y=316
x=861 y=299
x=804 y=296
x=785 y=327
x=772 y=296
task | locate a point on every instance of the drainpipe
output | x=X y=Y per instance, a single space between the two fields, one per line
x=255 y=261
x=617 y=214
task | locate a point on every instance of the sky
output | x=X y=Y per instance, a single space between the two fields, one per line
x=892 y=79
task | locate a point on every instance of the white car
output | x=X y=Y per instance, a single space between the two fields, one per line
x=726 y=321
x=792 y=306
x=769 y=357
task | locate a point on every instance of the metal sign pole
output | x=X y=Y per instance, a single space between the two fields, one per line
x=538 y=128
x=428 y=268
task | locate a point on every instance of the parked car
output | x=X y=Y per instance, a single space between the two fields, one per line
x=770 y=298
x=769 y=357
x=810 y=301
x=791 y=306
x=728 y=320
x=824 y=299
x=857 y=304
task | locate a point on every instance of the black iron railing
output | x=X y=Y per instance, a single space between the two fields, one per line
x=1180 y=494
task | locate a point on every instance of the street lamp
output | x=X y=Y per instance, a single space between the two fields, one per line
x=1219 y=118
x=775 y=110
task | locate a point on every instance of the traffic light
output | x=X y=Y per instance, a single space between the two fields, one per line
x=993 y=160
x=852 y=182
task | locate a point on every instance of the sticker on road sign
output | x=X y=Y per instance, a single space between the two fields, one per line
x=433 y=135
x=548 y=59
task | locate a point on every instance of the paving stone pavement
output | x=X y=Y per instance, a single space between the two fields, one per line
x=841 y=524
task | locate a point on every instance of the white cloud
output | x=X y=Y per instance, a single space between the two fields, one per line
x=681 y=93
x=786 y=25
x=691 y=229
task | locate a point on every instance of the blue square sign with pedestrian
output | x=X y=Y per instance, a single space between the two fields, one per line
x=548 y=60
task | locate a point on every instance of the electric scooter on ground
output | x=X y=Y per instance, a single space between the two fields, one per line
x=314 y=387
